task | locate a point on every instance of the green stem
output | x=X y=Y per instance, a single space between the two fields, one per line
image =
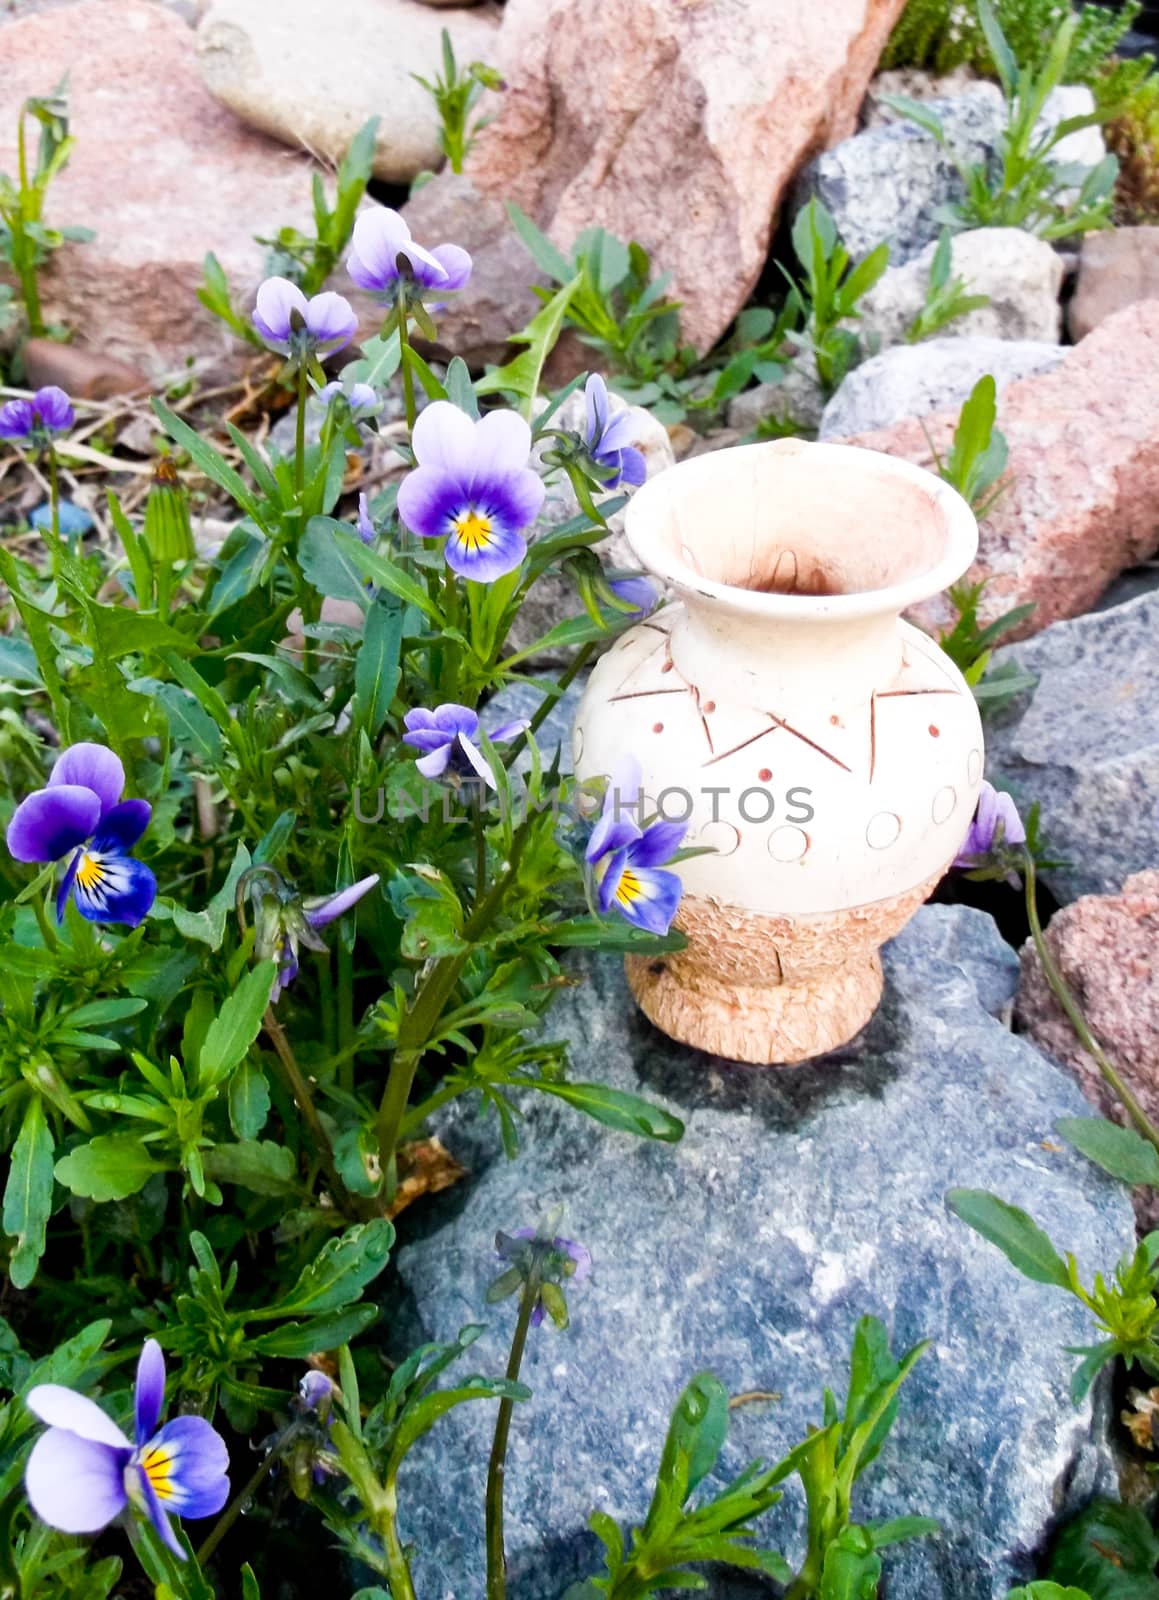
x=544 y=709
x=1078 y=1022
x=300 y=440
x=420 y=1020
x=480 y=826
x=304 y=1100
x=47 y=931
x=497 y=1465
x=54 y=509
x=23 y=250
x=408 y=382
x=243 y=1497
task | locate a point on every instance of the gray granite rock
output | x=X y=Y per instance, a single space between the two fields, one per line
x=889 y=182
x=796 y=401
x=1085 y=744
x=1020 y=274
x=912 y=380
x=797 y=1201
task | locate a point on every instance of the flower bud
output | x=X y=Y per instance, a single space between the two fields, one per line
x=168 y=532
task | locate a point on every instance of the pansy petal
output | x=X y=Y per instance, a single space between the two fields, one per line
x=54 y=409
x=426 y=268
x=609 y=835
x=120 y=828
x=454 y=718
x=647 y=898
x=429 y=501
x=277 y=301
x=378 y=237
x=500 y=446
x=331 y=320
x=17 y=419
x=337 y=904
x=157 y=1516
x=418 y=717
x=455 y=262
x=476 y=760
x=658 y=844
x=149 y=1395
x=595 y=408
x=94 y=767
x=66 y=884
x=633 y=467
x=610 y=881
x=51 y=822
x=75 y=1484
x=509 y=730
x=187 y=1467
x=64 y=1408
x=484 y=563
x=427 y=739
x=514 y=501
x=640 y=593
x=618 y=432
x=114 y=888
x=1013 y=831
x=444 y=437
x=434 y=765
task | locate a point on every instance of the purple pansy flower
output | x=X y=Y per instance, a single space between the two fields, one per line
x=362 y=398
x=578 y=1254
x=293 y=325
x=631 y=881
x=302 y=929
x=316 y=1390
x=38 y=420
x=996 y=823
x=80 y=812
x=381 y=237
x=609 y=439
x=640 y=593
x=447 y=736
x=473 y=488
x=83 y=1472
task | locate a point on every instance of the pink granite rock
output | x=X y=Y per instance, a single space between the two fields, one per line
x=675 y=124
x=1117 y=267
x=1107 y=947
x=160 y=171
x=1083 y=501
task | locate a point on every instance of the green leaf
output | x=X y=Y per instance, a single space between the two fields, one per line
x=1000 y=51
x=18 y=662
x=614 y=1108
x=28 y=1193
x=852 y=1568
x=190 y=727
x=899 y=1528
x=264 y=1167
x=1016 y=1234
x=208 y=926
x=338 y=564
x=339 y=1273
x=696 y=1436
x=379 y=666
x=545 y=255
x=1111 y=1551
x=296 y=1341
x=591 y=934
x=917 y=112
x=1043 y=1589
x=522 y=375
x=380 y=361
x=249 y=1100
x=207 y=460
x=421 y=1416
x=110 y=1167
x=236 y=1026
x=250 y=1588
x=1122 y=1152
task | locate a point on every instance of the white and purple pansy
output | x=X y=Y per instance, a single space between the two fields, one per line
x=473 y=488
x=362 y=398
x=300 y=922
x=382 y=238
x=293 y=325
x=572 y=1261
x=627 y=858
x=447 y=736
x=640 y=593
x=80 y=814
x=609 y=438
x=83 y=1472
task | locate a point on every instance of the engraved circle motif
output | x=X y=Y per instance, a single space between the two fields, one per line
x=883 y=830
x=788 y=843
x=944 y=803
x=974 y=766
x=577 y=745
x=723 y=837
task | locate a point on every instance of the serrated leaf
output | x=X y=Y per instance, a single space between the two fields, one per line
x=208 y=926
x=110 y=1167
x=295 y=1341
x=28 y=1193
x=263 y=1166
x=339 y=1273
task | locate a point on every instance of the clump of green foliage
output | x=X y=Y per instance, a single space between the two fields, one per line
x=455 y=94
x=1132 y=87
x=944 y=34
x=1026 y=185
x=25 y=241
x=829 y=293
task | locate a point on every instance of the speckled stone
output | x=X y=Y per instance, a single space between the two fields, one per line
x=797 y=1201
x=1084 y=744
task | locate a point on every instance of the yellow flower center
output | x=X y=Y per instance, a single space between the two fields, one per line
x=473 y=530
x=90 y=873
x=628 y=888
x=157 y=1465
